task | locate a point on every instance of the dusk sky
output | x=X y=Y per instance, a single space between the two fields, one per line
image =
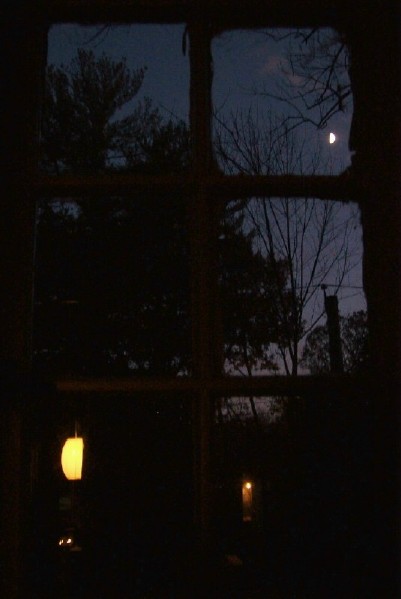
x=243 y=61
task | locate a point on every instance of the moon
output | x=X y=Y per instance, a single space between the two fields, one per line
x=332 y=138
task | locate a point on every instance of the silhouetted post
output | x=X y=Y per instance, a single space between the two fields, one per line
x=333 y=326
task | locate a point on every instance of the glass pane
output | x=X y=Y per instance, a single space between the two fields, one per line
x=112 y=287
x=122 y=530
x=251 y=452
x=284 y=261
x=282 y=102
x=289 y=481
x=116 y=99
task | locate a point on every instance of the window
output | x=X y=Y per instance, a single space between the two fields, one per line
x=123 y=274
x=210 y=189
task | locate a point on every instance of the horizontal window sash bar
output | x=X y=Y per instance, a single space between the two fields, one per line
x=323 y=186
x=230 y=386
x=225 y=13
x=94 y=12
x=225 y=186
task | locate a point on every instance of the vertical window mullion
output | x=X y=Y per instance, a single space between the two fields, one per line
x=202 y=230
x=201 y=97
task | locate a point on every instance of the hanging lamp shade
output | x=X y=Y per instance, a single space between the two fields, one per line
x=72 y=457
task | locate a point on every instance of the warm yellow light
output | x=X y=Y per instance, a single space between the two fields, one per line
x=72 y=457
x=247 y=501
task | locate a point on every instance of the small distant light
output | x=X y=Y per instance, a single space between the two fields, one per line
x=66 y=541
x=332 y=138
x=248 y=485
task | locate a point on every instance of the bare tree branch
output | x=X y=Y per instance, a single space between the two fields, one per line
x=313 y=84
x=312 y=237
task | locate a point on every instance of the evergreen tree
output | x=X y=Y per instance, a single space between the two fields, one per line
x=112 y=276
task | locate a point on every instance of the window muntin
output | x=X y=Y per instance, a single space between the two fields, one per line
x=207 y=316
x=362 y=411
x=268 y=47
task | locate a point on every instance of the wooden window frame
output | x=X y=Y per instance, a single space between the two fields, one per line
x=206 y=186
x=26 y=185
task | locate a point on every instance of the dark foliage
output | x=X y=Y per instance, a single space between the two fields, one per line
x=354 y=337
x=112 y=274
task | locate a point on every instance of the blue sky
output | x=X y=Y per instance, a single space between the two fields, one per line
x=242 y=61
x=158 y=47
x=246 y=62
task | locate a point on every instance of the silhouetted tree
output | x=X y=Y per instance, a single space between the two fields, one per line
x=112 y=276
x=249 y=286
x=89 y=123
x=314 y=83
x=354 y=337
x=314 y=239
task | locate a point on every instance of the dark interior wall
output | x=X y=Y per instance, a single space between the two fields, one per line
x=21 y=43
x=375 y=139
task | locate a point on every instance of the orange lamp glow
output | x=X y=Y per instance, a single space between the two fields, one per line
x=247 y=501
x=72 y=458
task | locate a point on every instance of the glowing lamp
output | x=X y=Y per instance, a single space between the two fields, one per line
x=247 y=501
x=71 y=458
